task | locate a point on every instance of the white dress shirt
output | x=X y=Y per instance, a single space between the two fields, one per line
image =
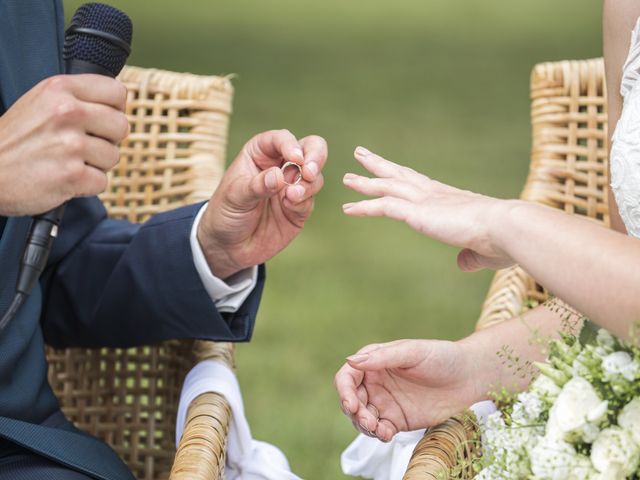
x=228 y=295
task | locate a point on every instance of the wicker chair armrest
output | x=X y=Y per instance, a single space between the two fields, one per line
x=509 y=295
x=445 y=451
x=202 y=450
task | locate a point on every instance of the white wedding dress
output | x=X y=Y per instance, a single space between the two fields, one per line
x=625 y=146
x=368 y=457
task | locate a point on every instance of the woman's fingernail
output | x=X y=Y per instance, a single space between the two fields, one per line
x=298 y=153
x=349 y=176
x=362 y=151
x=271 y=180
x=358 y=358
x=347 y=206
x=345 y=408
x=363 y=425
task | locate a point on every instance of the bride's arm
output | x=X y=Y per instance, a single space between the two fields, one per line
x=595 y=269
x=619 y=18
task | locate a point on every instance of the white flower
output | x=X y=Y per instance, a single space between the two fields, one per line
x=620 y=363
x=492 y=472
x=600 y=352
x=507 y=447
x=577 y=405
x=614 y=473
x=495 y=423
x=585 y=362
x=553 y=459
x=629 y=419
x=615 y=450
x=527 y=409
x=589 y=432
x=545 y=387
x=605 y=339
x=486 y=474
x=598 y=413
x=578 y=367
x=583 y=468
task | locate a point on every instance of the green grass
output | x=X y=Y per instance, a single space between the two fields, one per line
x=440 y=85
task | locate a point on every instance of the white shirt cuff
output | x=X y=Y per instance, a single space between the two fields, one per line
x=230 y=295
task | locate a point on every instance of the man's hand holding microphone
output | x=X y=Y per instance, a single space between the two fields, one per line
x=58 y=141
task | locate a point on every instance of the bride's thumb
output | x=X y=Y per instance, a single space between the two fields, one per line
x=470 y=261
x=393 y=356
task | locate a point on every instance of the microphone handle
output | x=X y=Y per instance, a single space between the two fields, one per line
x=44 y=230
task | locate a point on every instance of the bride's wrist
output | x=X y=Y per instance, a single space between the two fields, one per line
x=480 y=367
x=503 y=220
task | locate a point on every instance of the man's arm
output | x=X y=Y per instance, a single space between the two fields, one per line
x=116 y=284
x=113 y=283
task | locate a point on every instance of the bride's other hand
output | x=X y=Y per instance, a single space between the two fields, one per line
x=457 y=217
x=407 y=385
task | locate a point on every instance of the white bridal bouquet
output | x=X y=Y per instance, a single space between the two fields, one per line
x=579 y=419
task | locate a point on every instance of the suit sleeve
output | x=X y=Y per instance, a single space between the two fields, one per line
x=117 y=284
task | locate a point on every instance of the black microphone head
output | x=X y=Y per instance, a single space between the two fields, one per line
x=100 y=35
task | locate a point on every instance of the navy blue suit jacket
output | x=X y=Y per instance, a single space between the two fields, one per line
x=108 y=283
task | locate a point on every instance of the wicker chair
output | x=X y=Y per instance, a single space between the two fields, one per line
x=129 y=398
x=568 y=171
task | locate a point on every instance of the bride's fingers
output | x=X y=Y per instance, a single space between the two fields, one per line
x=386 y=430
x=377 y=165
x=367 y=421
x=381 y=167
x=346 y=382
x=361 y=429
x=365 y=417
x=362 y=394
x=391 y=207
x=471 y=261
x=380 y=187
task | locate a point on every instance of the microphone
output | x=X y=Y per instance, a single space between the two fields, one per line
x=97 y=41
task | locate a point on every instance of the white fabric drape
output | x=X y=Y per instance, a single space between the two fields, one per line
x=247 y=459
x=370 y=458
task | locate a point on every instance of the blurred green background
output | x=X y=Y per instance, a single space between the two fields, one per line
x=440 y=85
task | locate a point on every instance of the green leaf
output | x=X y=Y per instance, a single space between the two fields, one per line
x=589 y=333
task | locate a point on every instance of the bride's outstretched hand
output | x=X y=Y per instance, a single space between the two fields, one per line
x=457 y=217
x=407 y=385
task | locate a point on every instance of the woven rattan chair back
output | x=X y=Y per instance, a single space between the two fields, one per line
x=174 y=156
x=568 y=171
x=569 y=165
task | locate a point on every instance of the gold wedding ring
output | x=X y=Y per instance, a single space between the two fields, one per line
x=298 y=176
